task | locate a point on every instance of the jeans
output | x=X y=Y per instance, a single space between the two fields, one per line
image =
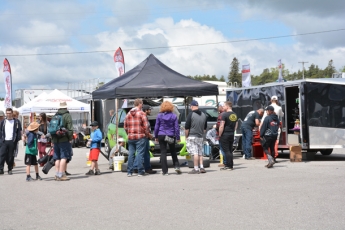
x=227 y=142
x=147 y=164
x=222 y=152
x=269 y=144
x=139 y=147
x=163 y=145
x=247 y=136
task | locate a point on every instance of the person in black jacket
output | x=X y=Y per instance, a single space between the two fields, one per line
x=269 y=133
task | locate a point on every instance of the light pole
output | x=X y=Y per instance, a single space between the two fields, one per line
x=303 y=67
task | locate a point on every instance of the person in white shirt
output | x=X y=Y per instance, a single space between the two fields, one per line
x=10 y=134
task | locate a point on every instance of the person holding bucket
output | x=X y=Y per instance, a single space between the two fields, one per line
x=117 y=151
x=95 y=148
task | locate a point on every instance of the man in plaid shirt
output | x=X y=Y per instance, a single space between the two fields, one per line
x=137 y=128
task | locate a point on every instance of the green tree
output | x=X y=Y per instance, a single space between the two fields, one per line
x=222 y=78
x=330 y=69
x=342 y=69
x=234 y=74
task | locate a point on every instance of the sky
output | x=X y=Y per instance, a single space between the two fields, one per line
x=64 y=44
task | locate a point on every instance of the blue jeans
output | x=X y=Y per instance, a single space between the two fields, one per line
x=247 y=136
x=139 y=147
x=147 y=164
x=222 y=152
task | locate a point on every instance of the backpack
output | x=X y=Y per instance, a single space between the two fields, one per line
x=56 y=127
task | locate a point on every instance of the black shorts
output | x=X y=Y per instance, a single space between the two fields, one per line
x=30 y=159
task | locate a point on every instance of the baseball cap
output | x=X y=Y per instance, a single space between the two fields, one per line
x=270 y=108
x=194 y=103
x=121 y=139
x=94 y=123
x=274 y=98
x=221 y=103
x=146 y=107
x=2 y=114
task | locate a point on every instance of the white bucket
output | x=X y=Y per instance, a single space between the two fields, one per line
x=118 y=161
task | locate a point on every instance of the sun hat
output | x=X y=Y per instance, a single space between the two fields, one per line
x=33 y=126
x=63 y=105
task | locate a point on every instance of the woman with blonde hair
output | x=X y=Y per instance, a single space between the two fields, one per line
x=167 y=127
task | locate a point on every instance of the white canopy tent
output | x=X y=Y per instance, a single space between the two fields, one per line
x=52 y=101
x=26 y=108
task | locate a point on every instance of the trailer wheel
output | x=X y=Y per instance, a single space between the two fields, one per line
x=107 y=147
x=326 y=152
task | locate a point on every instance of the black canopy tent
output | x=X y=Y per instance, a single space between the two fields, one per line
x=151 y=78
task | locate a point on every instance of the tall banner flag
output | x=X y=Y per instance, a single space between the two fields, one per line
x=119 y=61
x=246 y=79
x=8 y=84
x=280 y=71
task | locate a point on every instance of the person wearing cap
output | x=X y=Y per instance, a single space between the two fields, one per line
x=117 y=150
x=251 y=121
x=62 y=145
x=279 y=112
x=136 y=127
x=31 y=150
x=227 y=128
x=195 y=127
x=147 y=165
x=10 y=134
x=219 y=118
x=95 y=148
x=269 y=133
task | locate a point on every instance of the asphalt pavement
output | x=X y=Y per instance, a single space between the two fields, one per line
x=305 y=195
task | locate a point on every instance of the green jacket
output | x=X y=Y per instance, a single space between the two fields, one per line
x=67 y=123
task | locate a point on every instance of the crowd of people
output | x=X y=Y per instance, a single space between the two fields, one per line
x=136 y=124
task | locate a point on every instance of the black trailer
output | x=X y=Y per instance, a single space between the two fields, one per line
x=319 y=104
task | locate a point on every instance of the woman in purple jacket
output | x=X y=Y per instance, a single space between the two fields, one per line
x=167 y=125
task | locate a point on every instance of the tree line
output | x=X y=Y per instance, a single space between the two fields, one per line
x=271 y=74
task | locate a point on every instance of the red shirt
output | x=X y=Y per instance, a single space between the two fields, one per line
x=136 y=124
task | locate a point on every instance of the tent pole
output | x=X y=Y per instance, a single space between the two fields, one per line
x=217 y=101
x=117 y=121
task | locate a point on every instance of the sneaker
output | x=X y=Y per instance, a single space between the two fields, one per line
x=143 y=174
x=165 y=174
x=90 y=173
x=98 y=172
x=10 y=172
x=226 y=169
x=28 y=179
x=1 y=172
x=151 y=171
x=67 y=174
x=178 y=170
x=38 y=178
x=64 y=178
x=251 y=158
x=194 y=172
x=221 y=165
x=129 y=174
x=269 y=165
x=202 y=170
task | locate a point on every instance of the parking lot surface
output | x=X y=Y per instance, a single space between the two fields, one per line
x=305 y=195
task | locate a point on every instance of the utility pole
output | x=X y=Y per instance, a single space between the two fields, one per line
x=303 y=67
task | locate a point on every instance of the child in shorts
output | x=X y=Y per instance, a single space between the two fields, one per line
x=95 y=148
x=31 y=150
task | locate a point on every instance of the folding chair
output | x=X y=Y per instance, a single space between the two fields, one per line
x=215 y=150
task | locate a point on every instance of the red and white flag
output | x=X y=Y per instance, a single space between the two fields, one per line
x=246 y=79
x=280 y=71
x=119 y=60
x=8 y=84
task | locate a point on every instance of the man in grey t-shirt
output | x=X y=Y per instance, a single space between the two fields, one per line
x=195 y=127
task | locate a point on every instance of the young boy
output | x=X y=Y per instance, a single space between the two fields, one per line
x=95 y=148
x=31 y=150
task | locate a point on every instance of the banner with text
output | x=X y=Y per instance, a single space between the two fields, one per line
x=119 y=62
x=280 y=71
x=246 y=79
x=8 y=84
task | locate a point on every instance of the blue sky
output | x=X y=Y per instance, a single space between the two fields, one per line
x=61 y=26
